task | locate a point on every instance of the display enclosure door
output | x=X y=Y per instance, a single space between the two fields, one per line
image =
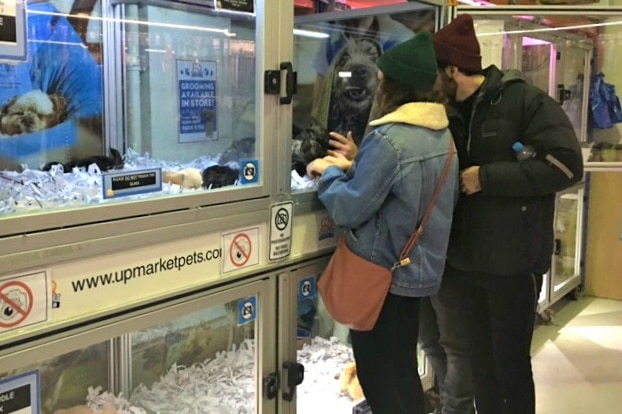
x=213 y=357
x=335 y=50
x=202 y=353
x=138 y=107
x=310 y=340
x=62 y=383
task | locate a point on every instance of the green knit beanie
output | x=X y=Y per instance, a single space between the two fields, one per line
x=412 y=63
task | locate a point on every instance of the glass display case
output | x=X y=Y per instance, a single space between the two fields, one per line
x=568 y=51
x=550 y=57
x=69 y=379
x=314 y=343
x=566 y=268
x=213 y=350
x=127 y=108
x=202 y=354
x=335 y=51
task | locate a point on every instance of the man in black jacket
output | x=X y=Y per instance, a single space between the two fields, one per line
x=502 y=232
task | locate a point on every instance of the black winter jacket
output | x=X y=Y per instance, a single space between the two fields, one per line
x=507 y=228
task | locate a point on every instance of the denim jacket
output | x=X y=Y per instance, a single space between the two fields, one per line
x=379 y=201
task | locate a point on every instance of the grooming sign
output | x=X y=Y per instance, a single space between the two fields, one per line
x=20 y=395
x=23 y=300
x=281 y=230
x=197 y=100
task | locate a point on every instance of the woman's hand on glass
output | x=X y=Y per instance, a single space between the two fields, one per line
x=339 y=160
x=316 y=168
x=342 y=145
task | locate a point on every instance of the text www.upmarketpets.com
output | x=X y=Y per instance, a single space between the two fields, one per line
x=158 y=266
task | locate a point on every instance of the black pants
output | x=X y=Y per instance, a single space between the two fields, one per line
x=498 y=314
x=386 y=359
x=442 y=338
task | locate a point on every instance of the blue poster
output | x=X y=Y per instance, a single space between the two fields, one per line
x=197 y=100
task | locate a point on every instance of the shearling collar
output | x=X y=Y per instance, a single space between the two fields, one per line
x=425 y=114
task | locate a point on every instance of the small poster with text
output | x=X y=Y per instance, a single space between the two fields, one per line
x=197 y=100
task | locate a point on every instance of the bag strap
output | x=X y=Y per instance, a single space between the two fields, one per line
x=404 y=259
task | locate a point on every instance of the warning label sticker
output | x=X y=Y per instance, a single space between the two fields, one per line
x=241 y=249
x=23 y=300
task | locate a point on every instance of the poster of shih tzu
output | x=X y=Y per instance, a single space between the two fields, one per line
x=50 y=104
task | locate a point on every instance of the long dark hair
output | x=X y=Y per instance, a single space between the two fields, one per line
x=391 y=94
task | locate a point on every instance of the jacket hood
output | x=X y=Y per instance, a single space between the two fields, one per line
x=424 y=114
x=497 y=81
x=513 y=75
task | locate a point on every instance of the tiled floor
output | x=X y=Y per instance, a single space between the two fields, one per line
x=577 y=361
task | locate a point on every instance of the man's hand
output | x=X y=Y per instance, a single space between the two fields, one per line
x=343 y=145
x=469 y=180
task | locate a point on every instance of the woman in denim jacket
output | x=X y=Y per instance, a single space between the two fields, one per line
x=378 y=200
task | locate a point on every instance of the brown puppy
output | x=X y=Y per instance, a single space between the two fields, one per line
x=349 y=383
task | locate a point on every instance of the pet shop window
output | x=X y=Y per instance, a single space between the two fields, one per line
x=141 y=106
x=336 y=45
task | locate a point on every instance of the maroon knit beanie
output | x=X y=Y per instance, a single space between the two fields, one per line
x=457 y=45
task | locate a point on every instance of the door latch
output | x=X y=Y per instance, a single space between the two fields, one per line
x=272 y=82
x=295 y=375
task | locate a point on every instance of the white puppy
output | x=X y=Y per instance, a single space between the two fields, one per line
x=33 y=111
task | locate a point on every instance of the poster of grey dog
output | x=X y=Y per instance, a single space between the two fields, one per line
x=354 y=82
